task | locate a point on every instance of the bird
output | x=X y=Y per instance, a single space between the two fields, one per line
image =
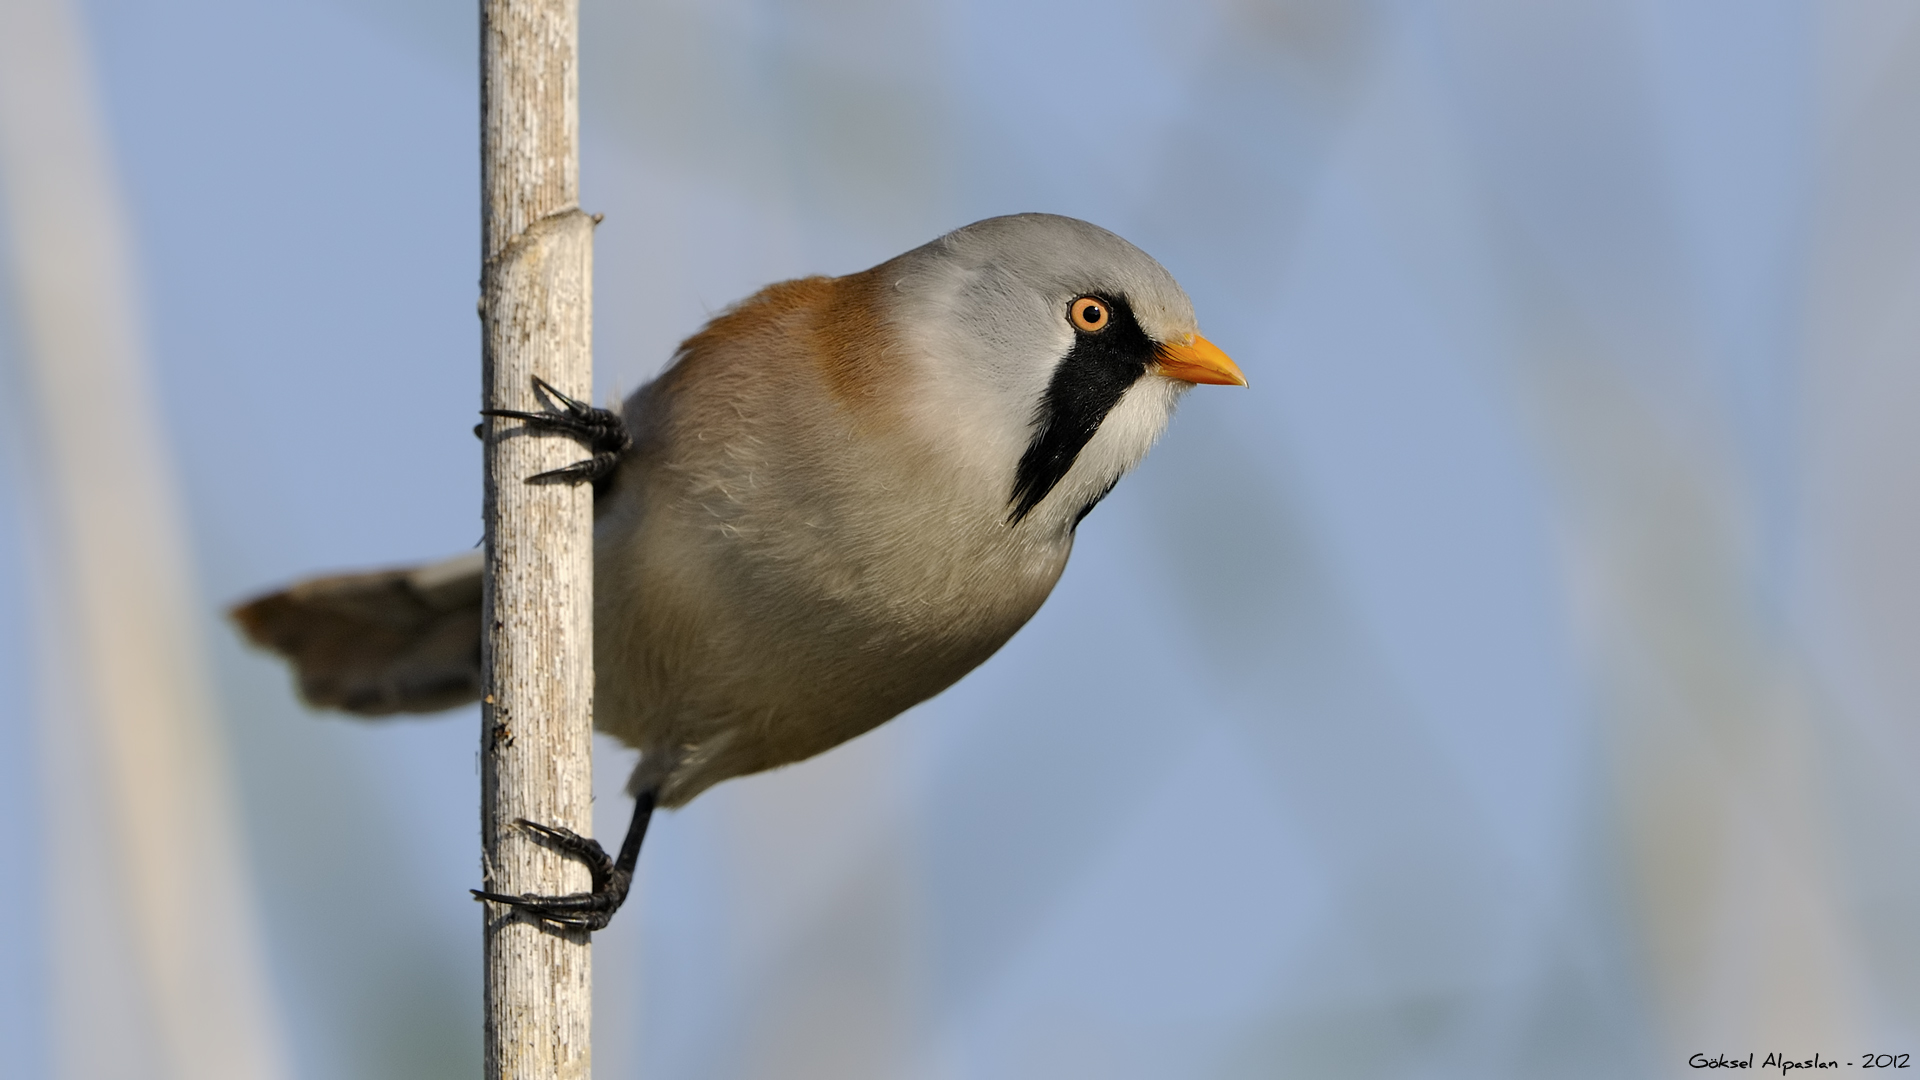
x=841 y=495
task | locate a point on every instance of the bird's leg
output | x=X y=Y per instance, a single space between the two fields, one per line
x=602 y=431
x=612 y=878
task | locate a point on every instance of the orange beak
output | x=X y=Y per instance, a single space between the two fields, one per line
x=1197 y=360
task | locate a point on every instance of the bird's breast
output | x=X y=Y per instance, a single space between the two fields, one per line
x=781 y=574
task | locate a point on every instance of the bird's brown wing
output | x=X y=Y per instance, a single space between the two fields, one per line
x=378 y=643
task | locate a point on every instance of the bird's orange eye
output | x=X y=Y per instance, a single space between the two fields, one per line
x=1088 y=314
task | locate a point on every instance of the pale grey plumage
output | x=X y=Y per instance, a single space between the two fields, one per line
x=792 y=568
x=811 y=531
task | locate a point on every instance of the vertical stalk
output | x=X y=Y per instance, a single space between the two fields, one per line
x=537 y=715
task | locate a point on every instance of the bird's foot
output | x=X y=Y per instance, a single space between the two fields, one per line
x=578 y=911
x=602 y=431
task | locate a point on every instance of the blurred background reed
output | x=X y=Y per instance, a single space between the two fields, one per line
x=1518 y=681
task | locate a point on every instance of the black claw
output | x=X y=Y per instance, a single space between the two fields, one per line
x=612 y=878
x=580 y=911
x=594 y=469
x=584 y=848
x=600 y=430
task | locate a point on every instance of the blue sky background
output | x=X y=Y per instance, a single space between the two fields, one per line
x=1423 y=711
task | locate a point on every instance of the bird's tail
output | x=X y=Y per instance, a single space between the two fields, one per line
x=378 y=643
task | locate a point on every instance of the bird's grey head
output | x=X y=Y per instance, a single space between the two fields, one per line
x=1043 y=338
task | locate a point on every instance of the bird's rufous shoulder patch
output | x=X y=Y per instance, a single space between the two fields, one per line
x=765 y=318
x=837 y=322
x=851 y=338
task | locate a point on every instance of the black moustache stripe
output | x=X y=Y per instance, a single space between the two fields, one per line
x=1090 y=380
